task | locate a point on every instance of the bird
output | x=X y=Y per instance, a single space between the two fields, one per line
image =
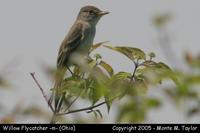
x=76 y=44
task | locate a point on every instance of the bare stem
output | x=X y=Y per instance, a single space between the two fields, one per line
x=87 y=108
x=134 y=71
x=42 y=91
x=83 y=109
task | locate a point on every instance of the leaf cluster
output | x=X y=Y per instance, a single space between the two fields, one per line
x=102 y=83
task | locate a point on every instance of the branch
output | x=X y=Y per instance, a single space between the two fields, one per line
x=72 y=102
x=83 y=109
x=136 y=66
x=88 y=108
x=42 y=91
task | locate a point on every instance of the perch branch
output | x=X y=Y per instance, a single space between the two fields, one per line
x=87 y=108
x=42 y=91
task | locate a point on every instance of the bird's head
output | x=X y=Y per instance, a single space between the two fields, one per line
x=91 y=14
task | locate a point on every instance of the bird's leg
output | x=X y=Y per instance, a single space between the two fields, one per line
x=73 y=74
x=70 y=70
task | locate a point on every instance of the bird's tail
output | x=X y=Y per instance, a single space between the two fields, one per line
x=58 y=84
x=56 y=97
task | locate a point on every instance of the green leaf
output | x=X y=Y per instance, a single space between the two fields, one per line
x=72 y=86
x=116 y=87
x=131 y=112
x=99 y=113
x=162 y=20
x=95 y=114
x=96 y=93
x=93 y=63
x=192 y=79
x=107 y=67
x=137 y=53
x=148 y=63
x=152 y=102
x=97 y=56
x=135 y=109
x=121 y=76
x=130 y=52
x=99 y=87
x=163 y=66
x=155 y=72
x=99 y=75
x=108 y=103
x=95 y=46
x=137 y=88
x=152 y=55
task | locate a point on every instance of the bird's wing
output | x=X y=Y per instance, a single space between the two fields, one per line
x=70 y=43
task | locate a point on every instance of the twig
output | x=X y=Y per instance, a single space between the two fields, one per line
x=83 y=109
x=72 y=102
x=134 y=71
x=43 y=93
x=88 y=108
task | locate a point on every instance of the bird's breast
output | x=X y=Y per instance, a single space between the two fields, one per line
x=86 y=42
x=77 y=57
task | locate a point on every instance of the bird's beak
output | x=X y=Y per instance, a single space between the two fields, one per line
x=102 y=13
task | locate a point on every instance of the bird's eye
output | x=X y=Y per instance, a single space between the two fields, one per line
x=91 y=12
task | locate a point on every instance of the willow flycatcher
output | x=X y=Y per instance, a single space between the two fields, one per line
x=76 y=44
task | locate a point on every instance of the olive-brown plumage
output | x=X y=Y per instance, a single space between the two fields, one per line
x=76 y=44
